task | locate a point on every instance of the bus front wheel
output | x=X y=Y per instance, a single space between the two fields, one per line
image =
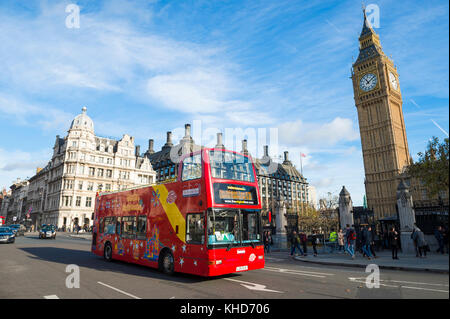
x=167 y=263
x=107 y=252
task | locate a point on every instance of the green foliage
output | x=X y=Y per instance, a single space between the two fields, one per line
x=432 y=168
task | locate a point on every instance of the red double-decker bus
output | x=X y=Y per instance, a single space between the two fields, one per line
x=207 y=222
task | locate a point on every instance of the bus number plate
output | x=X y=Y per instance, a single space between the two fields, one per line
x=241 y=268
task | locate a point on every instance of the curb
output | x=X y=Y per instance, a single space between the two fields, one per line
x=439 y=271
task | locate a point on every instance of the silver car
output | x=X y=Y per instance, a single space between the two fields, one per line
x=47 y=232
x=7 y=235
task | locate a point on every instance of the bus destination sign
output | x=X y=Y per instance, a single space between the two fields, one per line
x=235 y=194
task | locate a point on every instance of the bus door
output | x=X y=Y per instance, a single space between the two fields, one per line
x=195 y=235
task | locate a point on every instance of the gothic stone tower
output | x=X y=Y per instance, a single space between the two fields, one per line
x=383 y=137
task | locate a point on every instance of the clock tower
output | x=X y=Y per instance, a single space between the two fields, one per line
x=378 y=102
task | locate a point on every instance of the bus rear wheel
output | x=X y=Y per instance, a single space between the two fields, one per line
x=167 y=263
x=107 y=252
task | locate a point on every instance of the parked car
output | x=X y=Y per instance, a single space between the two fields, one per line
x=7 y=235
x=47 y=232
x=19 y=229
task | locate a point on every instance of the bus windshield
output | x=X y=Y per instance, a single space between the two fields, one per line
x=230 y=227
x=227 y=165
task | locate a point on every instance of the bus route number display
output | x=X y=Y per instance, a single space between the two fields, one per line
x=235 y=194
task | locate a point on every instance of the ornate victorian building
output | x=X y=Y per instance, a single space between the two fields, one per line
x=63 y=193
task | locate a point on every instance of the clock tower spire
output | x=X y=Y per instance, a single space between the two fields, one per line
x=378 y=102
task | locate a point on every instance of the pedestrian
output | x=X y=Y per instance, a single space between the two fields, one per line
x=332 y=240
x=420 y=242
x=438 y=234
x=366 y=240
x=394 y=242
x=350 y=239
x=445 y=238
x=304 y=242
x=267 y=239
x=314 y=242
x=341 y=240
x=414 y=239
x=375 y=239
x=295 y=243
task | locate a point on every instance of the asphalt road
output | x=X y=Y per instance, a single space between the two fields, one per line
x=36 y=268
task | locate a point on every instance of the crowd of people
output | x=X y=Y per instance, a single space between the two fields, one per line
x=367 y=239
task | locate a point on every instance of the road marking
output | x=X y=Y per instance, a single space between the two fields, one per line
x=121 y=291
x=274 y=259
x=363 y=280
x=299 y=272
x=51 y=297
x=253 y=286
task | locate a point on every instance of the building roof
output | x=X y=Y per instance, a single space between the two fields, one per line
x=83 y=121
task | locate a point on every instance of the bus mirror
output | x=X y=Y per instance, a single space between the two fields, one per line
x=176 y=229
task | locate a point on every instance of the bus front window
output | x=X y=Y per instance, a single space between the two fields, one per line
x=223 y=227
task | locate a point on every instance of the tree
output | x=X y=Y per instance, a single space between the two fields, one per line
x=432 y=168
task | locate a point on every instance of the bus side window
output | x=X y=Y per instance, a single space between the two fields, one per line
x=101 y=225
x=141 y=227
x=119 y=226
x=128 y=226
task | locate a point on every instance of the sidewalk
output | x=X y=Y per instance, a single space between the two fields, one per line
x=433 y=263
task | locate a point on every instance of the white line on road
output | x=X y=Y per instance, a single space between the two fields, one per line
x=299 y=272
x=362 y=280
x=51 y=297
x=252 y=286
x=121 y=291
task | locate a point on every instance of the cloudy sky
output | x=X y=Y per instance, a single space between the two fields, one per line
x=147 y=67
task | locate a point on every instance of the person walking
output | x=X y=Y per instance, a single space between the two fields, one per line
x=438 y=234
x=420 y=242
x=372 y=244
x=341 y=236
x=366 y=239
x=314 y=242
x=332 y=240
x=267 y=241
x=350 y=239
x=304 y=242
x=295 y=244
x=394 y=242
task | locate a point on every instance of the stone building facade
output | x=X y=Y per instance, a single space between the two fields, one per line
x=63 y=193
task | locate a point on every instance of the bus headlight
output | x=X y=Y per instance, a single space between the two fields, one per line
x=218 y=262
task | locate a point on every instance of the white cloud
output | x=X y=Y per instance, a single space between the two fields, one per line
x=316 y=134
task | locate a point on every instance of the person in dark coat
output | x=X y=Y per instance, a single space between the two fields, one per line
x=366 y=240
x=420 y=242
x=314 y=240
x=394 y=241
x=295 y=244
x=438 y=233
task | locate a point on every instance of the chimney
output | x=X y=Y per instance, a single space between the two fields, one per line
x=187 y=130
x=150 y=146
x=266 y=150
x=138 y=150
x=286 y=158
x=169 y=140
x=244 y=147
x=219 y=141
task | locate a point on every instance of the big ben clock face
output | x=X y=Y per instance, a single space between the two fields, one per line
x=368 y=82
x=393 y=80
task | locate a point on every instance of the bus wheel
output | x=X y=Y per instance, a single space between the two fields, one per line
x=107 y=252
x=167 y=263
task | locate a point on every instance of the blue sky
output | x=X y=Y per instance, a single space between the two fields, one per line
x=147 y=67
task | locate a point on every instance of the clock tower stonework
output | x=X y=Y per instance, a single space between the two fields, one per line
x=382 y=128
